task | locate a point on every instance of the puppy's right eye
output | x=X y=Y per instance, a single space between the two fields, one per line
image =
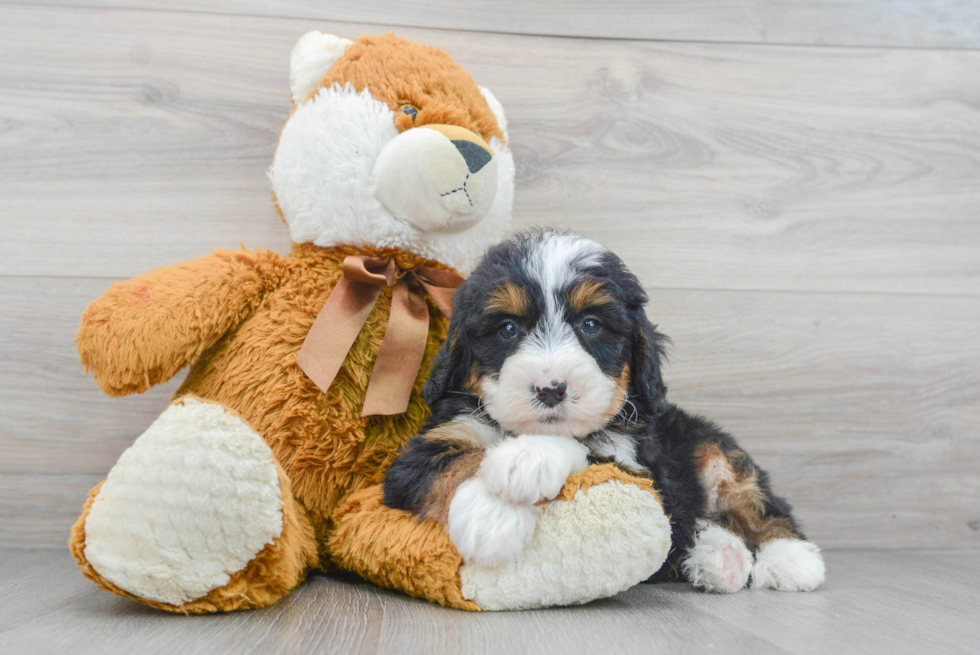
x=508 y=331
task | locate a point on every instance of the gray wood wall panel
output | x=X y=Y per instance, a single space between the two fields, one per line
x=706 y=166
x=902 y=23
x=805 y=219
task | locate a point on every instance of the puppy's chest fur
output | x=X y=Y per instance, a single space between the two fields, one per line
x=610 y=445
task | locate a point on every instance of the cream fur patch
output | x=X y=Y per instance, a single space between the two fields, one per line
x=191 y=502
x=605 y=540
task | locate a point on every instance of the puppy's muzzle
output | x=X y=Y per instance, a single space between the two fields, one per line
x=439 y=178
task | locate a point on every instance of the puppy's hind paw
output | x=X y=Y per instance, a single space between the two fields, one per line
x=485 y=528
x=718 y=562
x=788 y=565
x=531 y=468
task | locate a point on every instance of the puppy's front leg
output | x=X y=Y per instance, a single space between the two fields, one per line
x=531 y=468
x=437 y=477
x=485 y=528
x=492 y=515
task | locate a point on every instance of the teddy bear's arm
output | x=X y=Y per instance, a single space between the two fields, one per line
x=143 y=331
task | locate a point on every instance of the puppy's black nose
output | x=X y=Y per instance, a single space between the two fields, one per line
x=476 y=156
x=552 y=395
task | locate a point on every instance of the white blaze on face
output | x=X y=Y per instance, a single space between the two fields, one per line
x=552 y=351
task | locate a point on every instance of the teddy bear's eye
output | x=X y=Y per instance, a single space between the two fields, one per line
x=409 y=110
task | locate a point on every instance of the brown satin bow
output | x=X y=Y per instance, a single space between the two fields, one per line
x=347 y=309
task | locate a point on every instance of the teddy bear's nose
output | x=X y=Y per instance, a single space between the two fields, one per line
x=475 y=155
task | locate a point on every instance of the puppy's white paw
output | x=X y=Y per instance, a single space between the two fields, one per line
x=530 y=468
x=485 y=528
x=718 y=562
x=788 y=565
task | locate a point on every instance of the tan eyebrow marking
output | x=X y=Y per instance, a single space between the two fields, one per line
x=508 y=298
x=588 y=293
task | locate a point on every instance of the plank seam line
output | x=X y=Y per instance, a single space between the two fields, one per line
x=815 y=46
x=902 y=549
x=649 y=288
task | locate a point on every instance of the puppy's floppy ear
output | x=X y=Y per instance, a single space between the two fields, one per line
x=649 y=349
x=448 y=369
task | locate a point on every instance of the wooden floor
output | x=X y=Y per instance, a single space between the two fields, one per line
x=894 y=602
x=796 y=182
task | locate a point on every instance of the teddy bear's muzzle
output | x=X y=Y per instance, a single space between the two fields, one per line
x=439 y=178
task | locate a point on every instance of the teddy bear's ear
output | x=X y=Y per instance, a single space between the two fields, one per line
x=313 y=55
x=497 y=109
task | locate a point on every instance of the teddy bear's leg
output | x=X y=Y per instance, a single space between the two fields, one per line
x=196 y=516
x=605 y=532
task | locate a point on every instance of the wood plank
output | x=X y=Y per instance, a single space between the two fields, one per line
x=907 y=23
x=865 y=408
x=134 y=139
x=873 y=602
x=865 y=592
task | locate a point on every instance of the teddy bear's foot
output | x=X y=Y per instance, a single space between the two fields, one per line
x=601 y=535
x=196 y=517
x=605 y=532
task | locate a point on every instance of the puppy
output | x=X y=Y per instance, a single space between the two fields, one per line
x=550 y=364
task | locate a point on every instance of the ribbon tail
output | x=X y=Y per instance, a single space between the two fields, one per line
x=335 y=329
x=442 y=296
x=441 y=285
x=400 y=357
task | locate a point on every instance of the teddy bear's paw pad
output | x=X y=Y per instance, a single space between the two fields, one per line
x=788 y=565
x=485 y=528
x=604 y=540
x=719 y=561
x=530 y=468
x=191 y=502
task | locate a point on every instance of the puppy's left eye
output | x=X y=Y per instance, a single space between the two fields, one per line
x=590 y=327
x=508 y=331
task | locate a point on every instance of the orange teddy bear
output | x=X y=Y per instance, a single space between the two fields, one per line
x=392 y=172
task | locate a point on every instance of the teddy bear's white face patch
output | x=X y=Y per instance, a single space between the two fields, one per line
x=327 y=186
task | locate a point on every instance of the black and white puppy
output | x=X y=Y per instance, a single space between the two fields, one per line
x=551 y=363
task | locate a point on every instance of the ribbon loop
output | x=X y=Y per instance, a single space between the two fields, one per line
x=371 y=270
x=347 y=309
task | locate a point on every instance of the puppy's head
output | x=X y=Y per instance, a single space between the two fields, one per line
x=551 y=333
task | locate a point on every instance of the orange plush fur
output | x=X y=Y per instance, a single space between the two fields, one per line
x=400 y=72
x=238 y=319
x=241 y=318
